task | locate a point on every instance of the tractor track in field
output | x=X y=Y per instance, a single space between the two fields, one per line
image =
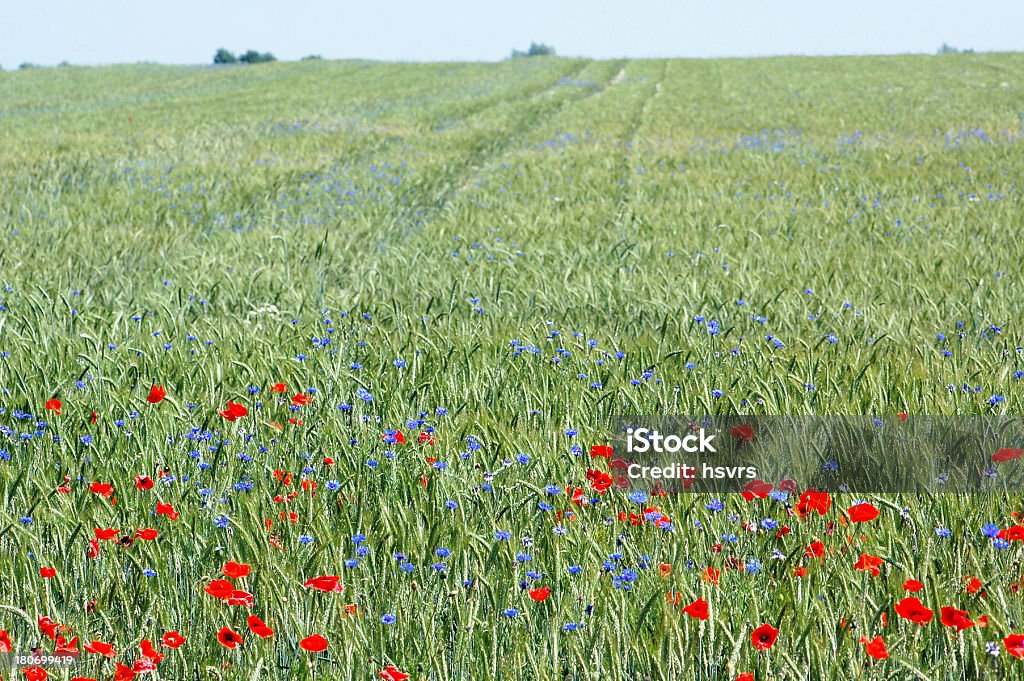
x=490 y=150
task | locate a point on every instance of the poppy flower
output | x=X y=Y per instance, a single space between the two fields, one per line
x=105 y=534
x=427 y=438
x=540 y=595
x=698 y=609
x=147 y=649
x=300 y=399
x=104 y=489
x=54 y=405
x=172 y=639
x=664 y=569
x=1002 y=456
x=146 y=534
x=100 y=648
x=757 y=489
x=259 y=627
x=764 y=637
x=279 y=388
x=390 y=673
x=812 y=501
x=745 y=676
x=911 y=609
x=1014 y=644
x=800 y=571
x=123 y=673
x=143 y=482
x=743 y=432
x=229 y=638
x=234 y=411
x=325 y=583
x=603 y=451
x=156 y=394
x=869 y=563
x=912 y=586
x=314 y=644
x=35 y=674
x=236 y=570
x=974 y=585
x=710 y=575
x=219 y=588
x=875 y=647
x=599 y=481
x=47 y=572
x=956 y=619
x=815 y=549
x=239 y=597
x=167 y=510
x=62 y=646
x=5 y=642
x=862 y=513
x=47 y=626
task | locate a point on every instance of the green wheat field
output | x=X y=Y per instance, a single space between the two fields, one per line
x=427 y=290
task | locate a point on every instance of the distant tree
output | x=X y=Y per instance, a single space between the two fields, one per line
x=947 y=49
x=535 y=50
x=308 y=57
x=25 y=66
x=254 y=57
x=225 y=56
x=64 y=63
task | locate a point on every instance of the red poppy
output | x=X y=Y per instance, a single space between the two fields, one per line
x=47 y=572
x=1002 y=456
x=143 y=482
x=390 y=673
x=146 y=534
x=229 y=638
x=800 y=571
x=123 y=673
x=974 y=585
x=764 y=637
x=5 y=642
x=47 y=626
x=147 y=649
x=698 y=609
x=911 y=609
x=325 y=583
x=143 y=666
x=1014 y=533
x=93 y=416
x=812 y=501
x=219 y=588
x=259 y=627
x=94 y=548
x=167 y=510
x=156 y=394
x=105 y=534
x=35 y=674
x=62 y=646
x=540 y=595
x=862 y=512
x=599 y=480
x=100 y=648
x=603 y=451
x=234 y=411
x=427 y=438
x=279 y=388
x=172 y=639
x=710 y=575
x=314 y=644
x=957 y=619
x=236 y=570
x=239 y=597
x=54 y=405
x=745 y=676
x=300 y=399
x=875 y=647
x=1014 y=644
x=912 y=586
x=104 y=489
x=743 y=432
x=815 y=549
x=869 y=563
x=757 y=489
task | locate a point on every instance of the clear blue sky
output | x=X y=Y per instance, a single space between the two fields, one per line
x=189 y=31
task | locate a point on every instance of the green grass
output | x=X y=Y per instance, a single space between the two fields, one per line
x=470 y=210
